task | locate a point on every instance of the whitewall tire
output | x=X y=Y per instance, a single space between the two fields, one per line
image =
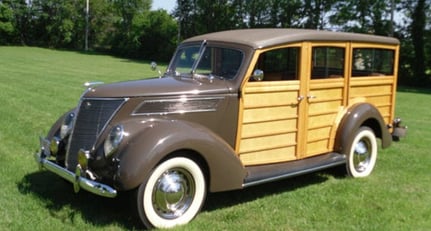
x=362 y=153
x=173 y=194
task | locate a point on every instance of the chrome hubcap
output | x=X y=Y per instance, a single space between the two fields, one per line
x=173 y=193
x=361 y=157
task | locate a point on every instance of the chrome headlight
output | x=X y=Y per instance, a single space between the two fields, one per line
x=67 y=125
x=113 y=140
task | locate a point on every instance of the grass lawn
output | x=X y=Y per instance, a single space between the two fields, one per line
x=38 y=85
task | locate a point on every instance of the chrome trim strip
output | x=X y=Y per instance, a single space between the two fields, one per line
x=180 y=106
x=81 y=182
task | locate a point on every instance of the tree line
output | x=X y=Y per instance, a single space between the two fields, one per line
x=122 y=27
x=130 y=28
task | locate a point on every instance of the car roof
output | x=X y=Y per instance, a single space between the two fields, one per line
x=261 y=38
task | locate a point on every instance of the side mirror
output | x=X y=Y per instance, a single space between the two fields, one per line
x=258 y=75
x=154 y=68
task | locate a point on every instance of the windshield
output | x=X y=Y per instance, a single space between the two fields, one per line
x=206 y=61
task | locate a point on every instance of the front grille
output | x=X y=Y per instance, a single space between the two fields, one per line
x=92 y=117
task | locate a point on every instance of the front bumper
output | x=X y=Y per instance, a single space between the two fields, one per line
x=76 y=179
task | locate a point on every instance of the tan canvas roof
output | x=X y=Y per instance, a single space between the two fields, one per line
x=260 y=38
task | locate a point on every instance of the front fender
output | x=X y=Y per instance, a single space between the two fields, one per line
x=361 y=114
x=157 y=139
x=55 y=128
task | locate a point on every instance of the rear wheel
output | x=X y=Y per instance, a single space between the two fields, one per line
x=173 y=194
x=362 y=154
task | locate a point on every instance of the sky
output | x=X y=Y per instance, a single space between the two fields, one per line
x=167 y=5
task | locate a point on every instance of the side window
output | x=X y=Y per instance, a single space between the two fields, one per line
x=372 y=62
x=280 y=64
x=327 y=62
x=222 y=62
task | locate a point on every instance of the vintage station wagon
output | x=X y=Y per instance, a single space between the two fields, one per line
x=233 y=109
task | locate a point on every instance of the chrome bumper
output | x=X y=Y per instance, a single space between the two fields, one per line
x=75 y=178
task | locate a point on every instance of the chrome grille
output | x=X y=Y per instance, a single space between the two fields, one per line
x=93 y=115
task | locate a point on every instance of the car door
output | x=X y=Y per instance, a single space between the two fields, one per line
x=269 y=120
x=325 y=96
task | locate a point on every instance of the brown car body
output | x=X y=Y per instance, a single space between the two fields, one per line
x=232 y=127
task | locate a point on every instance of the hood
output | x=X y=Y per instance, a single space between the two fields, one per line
x=165 y=86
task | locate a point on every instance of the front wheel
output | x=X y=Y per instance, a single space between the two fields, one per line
x=173 y=194
x=362 y=154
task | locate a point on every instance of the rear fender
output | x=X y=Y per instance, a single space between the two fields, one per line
x=361 y=114
x=158 y=139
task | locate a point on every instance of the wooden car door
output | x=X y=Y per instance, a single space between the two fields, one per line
x=269 y=121
x=325 y=96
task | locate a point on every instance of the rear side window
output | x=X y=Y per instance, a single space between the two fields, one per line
x=372 y=62
x=327 y=62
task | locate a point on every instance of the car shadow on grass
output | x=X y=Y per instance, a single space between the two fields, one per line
x=219 y=200
x=65 y=205
x=62 y=203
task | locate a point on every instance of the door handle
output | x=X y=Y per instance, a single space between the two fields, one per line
x=300 y=98
x=311 y=97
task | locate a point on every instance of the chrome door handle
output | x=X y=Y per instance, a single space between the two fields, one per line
x=300 y=98
x=311 y=97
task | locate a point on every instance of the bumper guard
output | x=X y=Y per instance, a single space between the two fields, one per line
x=75 y=178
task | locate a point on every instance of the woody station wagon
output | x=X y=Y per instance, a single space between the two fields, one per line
x=233 y=109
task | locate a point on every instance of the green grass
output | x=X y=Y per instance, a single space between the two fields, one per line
x=38 y=85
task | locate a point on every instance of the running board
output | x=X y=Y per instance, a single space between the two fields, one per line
x=266 y=173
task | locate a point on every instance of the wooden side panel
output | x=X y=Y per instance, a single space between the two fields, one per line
x=267 y=113
x=271 y=156
x=378 y=91
x=268 y=142
x=270 y=122
x=289 y=120
x=325 y=102
x=250 y=130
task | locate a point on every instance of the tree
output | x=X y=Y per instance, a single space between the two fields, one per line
x=125 y=39
x=102 y=20
x=156 y=33
x=415 y=36
x=186 y=13
x=56 y=23
x=7 y=29
x=199 y=16
x=287 y=13
x=315 y=11
x=14 y=21
x=418 y=36
x=363 y=16
x=221 y=10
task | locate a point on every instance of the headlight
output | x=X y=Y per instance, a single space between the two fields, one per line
x=67 y=125
x=113 y=140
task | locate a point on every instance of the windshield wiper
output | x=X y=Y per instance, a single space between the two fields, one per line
x=197 y=61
